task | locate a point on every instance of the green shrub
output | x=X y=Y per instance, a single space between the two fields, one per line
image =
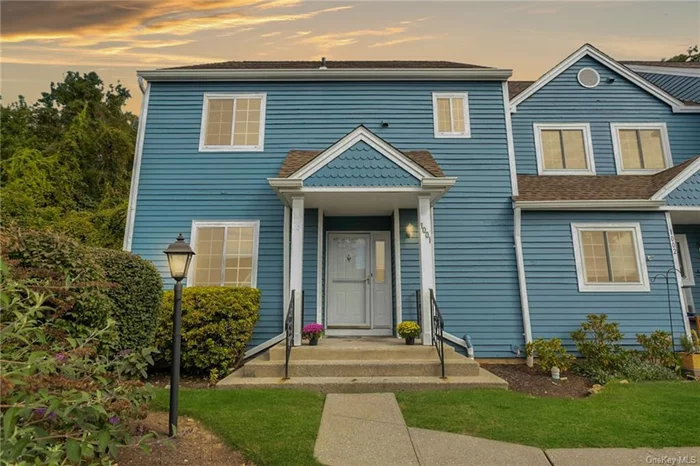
x=136 y=290
x=65 y=267
x=658 y=348
x=217 y=324
x=63 y=401
x=549 y=353
x=629 y=365
x=598 y=340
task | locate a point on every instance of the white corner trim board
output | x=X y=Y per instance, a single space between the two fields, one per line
x=635 y=228
x=296 y=269
x=285 y=261
x=617 y=149
x=319 y=268
x=360 y=134
x=678 y=180
x=676 y=265
x=509 y=139
x=589 y=50
x=585 y=129
x=136 y=172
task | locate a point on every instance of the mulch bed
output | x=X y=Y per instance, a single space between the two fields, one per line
x=162 y=380
x=193 y=446
x=533 y=381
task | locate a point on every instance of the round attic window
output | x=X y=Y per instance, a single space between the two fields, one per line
x=588 y=77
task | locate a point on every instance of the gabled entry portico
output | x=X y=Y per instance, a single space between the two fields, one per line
x=359 y=284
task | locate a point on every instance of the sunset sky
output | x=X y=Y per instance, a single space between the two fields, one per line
x=41 y=40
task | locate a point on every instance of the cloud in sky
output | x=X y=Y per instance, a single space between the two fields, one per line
x=402 y=40
x=325 y=42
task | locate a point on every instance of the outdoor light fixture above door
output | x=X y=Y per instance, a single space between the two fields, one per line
x=410 y=230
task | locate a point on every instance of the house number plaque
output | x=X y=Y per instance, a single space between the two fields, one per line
x=426 y=233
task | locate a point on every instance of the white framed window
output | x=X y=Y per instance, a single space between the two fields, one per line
x=684 y=262
x=232 y=122
x=451 y=115
x=641 y=148
x=610 y=257
x=588 y=77
x=564 y=149
x=226 y=253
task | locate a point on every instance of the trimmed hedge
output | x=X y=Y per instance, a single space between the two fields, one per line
x=136 y=290
x=74 y=276
x=217 y=324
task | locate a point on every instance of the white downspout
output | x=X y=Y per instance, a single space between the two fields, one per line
x=520 y=264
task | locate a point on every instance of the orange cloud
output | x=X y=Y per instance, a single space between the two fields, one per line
x=340 y=39
x=403 y=40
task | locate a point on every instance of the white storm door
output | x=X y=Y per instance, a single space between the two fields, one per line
x=381 y=280
x=349 y=266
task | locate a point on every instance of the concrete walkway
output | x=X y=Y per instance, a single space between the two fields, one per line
x=362 y=429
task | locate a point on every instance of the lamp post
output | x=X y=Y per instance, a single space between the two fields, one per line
x=179 y=256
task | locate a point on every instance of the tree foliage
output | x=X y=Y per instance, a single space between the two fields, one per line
x=66 y=160
x=691 y=55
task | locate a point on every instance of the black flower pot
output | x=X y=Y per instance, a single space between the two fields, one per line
x=410 y=340
x=313 y=341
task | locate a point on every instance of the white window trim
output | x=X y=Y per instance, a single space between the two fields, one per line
x=587 y=144
x=583 y=285
x=467 y=123
x=196 y=224
x=684 y=257
x=665 y=146
x=232 y=148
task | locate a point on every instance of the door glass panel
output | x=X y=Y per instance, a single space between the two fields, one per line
x=379 y=262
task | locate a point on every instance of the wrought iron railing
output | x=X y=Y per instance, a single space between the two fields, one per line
x=438 y=331
x=289 y=331
x=419 y=317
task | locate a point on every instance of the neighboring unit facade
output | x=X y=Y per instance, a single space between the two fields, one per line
x=362 y=187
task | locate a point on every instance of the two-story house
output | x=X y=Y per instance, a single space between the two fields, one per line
x=365 y=188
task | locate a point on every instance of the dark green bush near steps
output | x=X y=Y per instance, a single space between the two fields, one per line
x=136 y=290
x=217 y=324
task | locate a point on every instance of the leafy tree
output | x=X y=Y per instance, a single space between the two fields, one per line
x=691 y=55
x=66 y=160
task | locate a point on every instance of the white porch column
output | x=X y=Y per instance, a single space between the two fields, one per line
x=296 y=263
x=427 y=265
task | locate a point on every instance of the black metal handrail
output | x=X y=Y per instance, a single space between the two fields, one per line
x=437 y=331
x=289 y=331
x=419 y=317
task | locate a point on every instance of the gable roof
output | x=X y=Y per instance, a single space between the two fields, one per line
x=303 y=163
x=516 y=87
x=663 y=64
x=590 y=51
x=329 y=64
x=604 y=187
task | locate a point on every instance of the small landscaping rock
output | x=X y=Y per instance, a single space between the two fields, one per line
x=595 y=389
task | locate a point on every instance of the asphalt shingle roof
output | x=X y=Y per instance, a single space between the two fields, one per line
x=594 y=188
x=516 y=87
x=330 y=64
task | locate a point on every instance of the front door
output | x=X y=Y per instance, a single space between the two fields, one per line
x=359 y=284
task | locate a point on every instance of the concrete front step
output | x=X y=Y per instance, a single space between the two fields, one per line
x=364 y=384
x=389 y=352
x=362 y=368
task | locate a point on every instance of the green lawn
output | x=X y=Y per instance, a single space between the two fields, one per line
x=269 y=427
x=660 y=414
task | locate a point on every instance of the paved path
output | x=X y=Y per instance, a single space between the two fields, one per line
x=368 y=429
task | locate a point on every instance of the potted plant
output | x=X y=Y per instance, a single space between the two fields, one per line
x=312 y=332
x=690 y=361
x=409 y=331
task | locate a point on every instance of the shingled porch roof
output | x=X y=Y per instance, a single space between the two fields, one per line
x=297 y=159
x=595 y=188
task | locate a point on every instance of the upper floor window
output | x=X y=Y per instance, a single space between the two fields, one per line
x=451 y=115
x=226 y=254
x=610 y=257
x=641 y=148
x=233 y=122
x=564 y=149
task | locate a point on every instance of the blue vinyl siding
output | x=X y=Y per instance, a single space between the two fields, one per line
x=687 y=194
x=476 y=276
x=309 y=276
x=361 y=165
x=564 y=100
x=410 y=264
x=692 y=233
x=556 y=305
x=681 y=87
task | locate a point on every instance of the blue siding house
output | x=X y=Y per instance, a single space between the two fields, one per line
x=361 y=188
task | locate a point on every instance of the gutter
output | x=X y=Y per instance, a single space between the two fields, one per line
x=401 y=74
x=522 y=283
x=621 y=204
